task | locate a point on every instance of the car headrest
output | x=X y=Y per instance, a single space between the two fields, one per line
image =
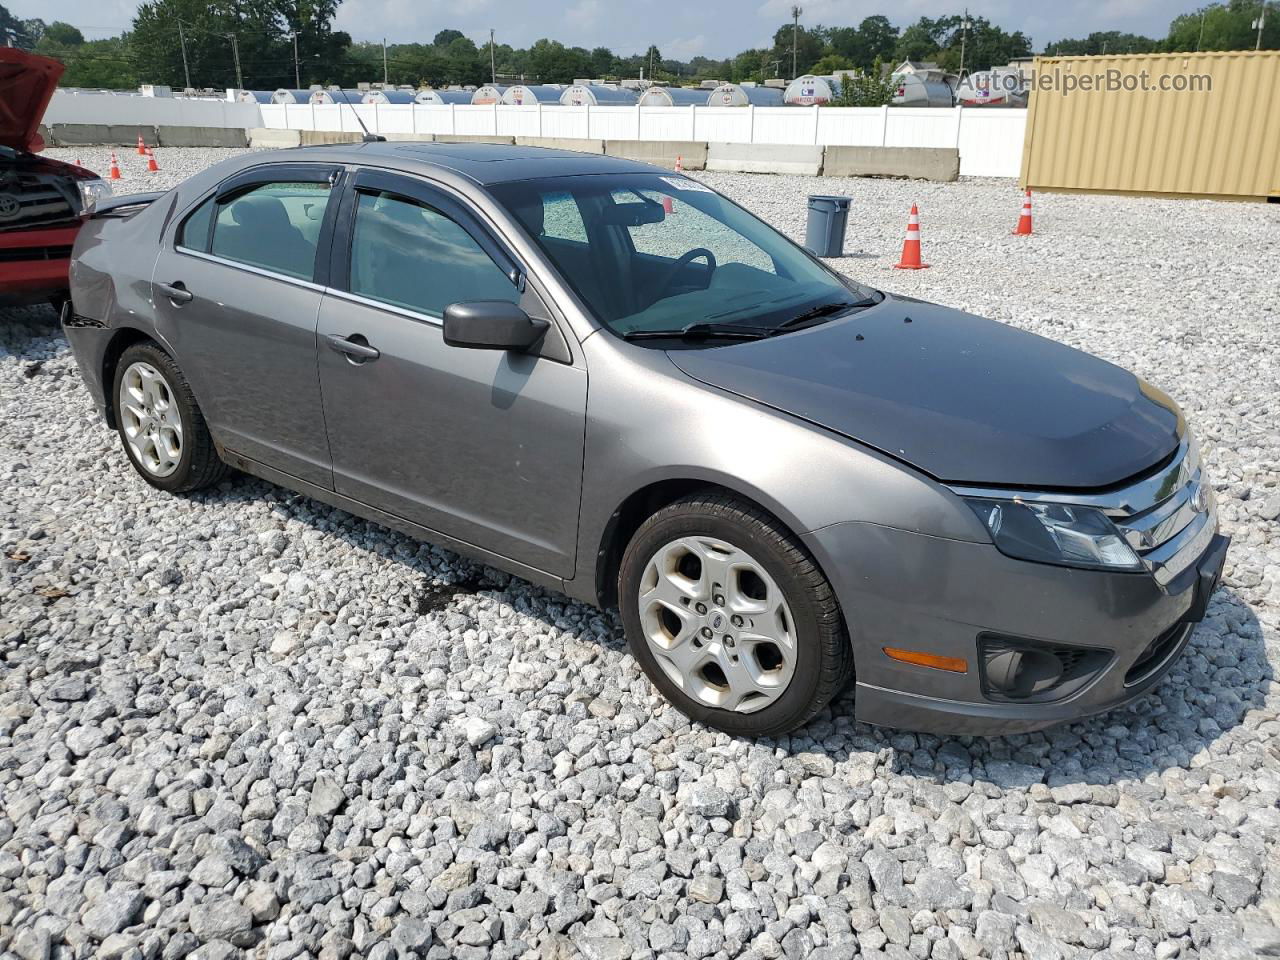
x=260 y=213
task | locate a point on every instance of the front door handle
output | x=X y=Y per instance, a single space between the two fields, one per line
x=354 y=346
x=176 y=292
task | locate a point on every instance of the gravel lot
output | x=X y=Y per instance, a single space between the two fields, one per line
x=245 y=721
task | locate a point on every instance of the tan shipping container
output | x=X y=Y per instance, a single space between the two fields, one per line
x=1202 y=124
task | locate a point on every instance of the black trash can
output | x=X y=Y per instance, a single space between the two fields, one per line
x=824 y=236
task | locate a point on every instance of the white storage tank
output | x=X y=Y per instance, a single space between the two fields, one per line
x=388 y=96
x=256 y=96
x=807 y=90
x=291 y=96
x=525 y=95
x=673 y=97
x=735 y=95
x=594 y=94
x=337 y=96
x=487 y=94
x=992 y=88
x=915 y=91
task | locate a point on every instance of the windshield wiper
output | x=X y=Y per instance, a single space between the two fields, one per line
x=821 y=310
x=702 y=331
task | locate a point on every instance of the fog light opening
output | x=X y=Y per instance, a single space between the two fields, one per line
x=1023 y=673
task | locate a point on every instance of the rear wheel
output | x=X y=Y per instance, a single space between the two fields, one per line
x=161 y=427
x=730 y=617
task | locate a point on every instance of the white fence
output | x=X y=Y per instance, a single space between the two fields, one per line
x=989 y=139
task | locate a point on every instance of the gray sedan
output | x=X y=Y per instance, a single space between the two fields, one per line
x=612 y=381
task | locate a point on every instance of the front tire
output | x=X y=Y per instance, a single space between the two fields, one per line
x=160 y=425
x=730 y=617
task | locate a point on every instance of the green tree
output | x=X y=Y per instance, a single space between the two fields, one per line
x=63 y=34
x=603 y=62
x=829 y=64
x=810 y=43
x=870 y=89
x=1110 y=41
x=446 y=37
x=1223 y=26
x=873 y=37
x=21 y=33
x=553 y=62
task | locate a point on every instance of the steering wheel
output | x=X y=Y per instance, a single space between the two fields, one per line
x=674 y=270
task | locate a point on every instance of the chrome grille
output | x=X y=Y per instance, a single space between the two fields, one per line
x=1168 y=518
x=42 y=201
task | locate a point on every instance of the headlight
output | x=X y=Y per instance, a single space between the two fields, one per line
x=91 y=191
x=1055 y=533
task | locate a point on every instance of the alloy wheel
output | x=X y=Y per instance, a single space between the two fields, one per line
x=150 y=419
x=718 y=624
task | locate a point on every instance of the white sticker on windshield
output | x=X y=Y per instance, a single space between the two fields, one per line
x=682 y=183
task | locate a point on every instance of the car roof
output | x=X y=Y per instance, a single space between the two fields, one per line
x=488 y=163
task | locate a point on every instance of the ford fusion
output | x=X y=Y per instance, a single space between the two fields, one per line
x=614 y=382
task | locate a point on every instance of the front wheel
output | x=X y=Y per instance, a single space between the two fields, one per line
x=731 y=618
x=160 y=425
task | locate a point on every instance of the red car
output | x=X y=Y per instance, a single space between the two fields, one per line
x=42 y=201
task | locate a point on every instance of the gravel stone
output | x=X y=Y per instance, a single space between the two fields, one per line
x=243 y=720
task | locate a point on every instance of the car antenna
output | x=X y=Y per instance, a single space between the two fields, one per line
x=368 y=137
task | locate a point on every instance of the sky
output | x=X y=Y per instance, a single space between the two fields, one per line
x=681 y=30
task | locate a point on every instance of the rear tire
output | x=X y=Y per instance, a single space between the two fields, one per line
x=163 y=433
x=730 y=617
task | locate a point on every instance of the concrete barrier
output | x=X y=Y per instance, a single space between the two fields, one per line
x=202 y=136
x=314 y=138
x=101 y=134
x=562 y=143
x=765 y=158
x=274 y=139
x=409 y=137
x=916 y=163
x=473 y=138
x=662 y=153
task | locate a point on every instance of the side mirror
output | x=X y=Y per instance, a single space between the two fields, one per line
x=491 y=325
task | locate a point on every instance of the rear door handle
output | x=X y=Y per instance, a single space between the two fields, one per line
x=176 y=292
x=353 y=346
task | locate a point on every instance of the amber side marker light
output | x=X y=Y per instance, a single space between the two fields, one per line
x=920 y=659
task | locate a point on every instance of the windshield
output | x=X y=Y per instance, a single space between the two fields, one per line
x=653 y=254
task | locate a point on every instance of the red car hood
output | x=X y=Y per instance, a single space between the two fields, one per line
x=27 y=83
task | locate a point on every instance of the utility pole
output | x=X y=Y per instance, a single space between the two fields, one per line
x=182 y=40
x=1260 y=23
x=235 y=52
x=795 y=37
x=1200 y=40
x=964 y=38
x=493 y=70
x=384 y=61
x=297 y=71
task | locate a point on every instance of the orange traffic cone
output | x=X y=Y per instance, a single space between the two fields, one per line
x=911 y=246
x=152 y=166
x=668 y=206
x=1024 y=221
x=679 y=164
x=115 y=168
x=142 y=147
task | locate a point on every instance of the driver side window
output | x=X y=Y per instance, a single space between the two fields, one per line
x=413 y=256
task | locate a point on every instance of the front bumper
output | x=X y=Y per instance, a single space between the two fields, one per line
x=34 y=264
x=910 y=591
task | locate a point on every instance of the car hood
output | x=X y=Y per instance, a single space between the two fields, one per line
x=27 y=83
x=964 y=399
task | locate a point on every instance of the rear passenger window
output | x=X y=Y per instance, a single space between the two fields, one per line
x=412 y=256
x=275 y=226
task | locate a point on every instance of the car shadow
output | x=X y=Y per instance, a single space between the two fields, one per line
x=1222 y=675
